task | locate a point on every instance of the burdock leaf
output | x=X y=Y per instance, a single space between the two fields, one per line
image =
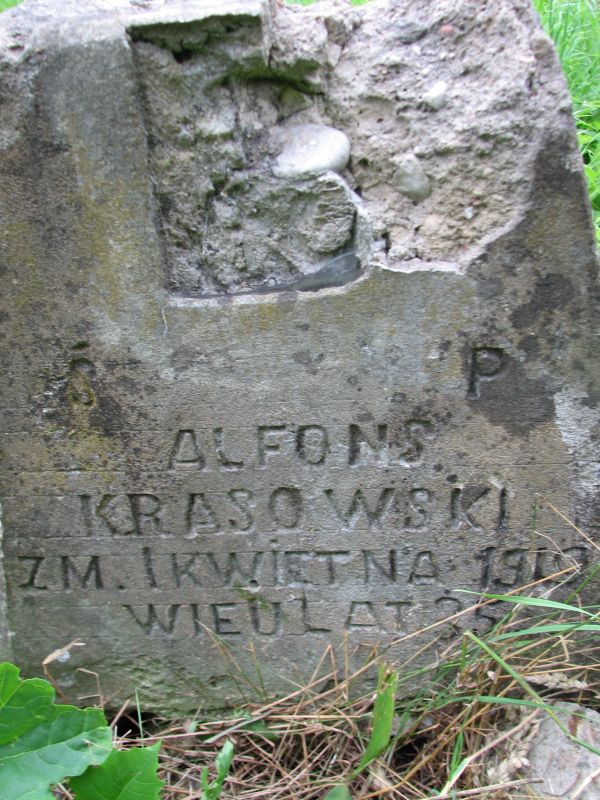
x=41 y=743
x=125 y=775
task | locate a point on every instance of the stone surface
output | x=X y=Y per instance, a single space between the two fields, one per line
x=310 y=150
x=436 y=96
x=409 y=178
x=561 y=767
x=242 y=408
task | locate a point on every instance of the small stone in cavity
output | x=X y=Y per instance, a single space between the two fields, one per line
x=436 y=96
x=311 y=150
x=410 y=178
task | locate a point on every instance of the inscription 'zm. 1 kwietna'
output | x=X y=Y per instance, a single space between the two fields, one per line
x=299 y=334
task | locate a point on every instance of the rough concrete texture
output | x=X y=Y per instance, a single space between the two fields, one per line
x=300 y=329
x=560 y=766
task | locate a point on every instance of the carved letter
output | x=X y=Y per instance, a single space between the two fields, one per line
x=312 y=443
x=181 y=570
x=149 y=567
x=200 y=516
x=153 y=623
x=359 y=504
x=398 y=606
x=424 y=568
x=186 y=451
x=462 y=501
x=361 y=615
x=115 y=512
x=226 y=463
x=285 y=505
x=241 y=499
x=330 y=557
x=307 y=621
x=31 y=582
x=256 y=610
x=93 y=571
x=232 y=569
x=418 y=500
x=372 y=567
x=144 y=511
x=486 y=364
x=266 y=445
x=416 y=431
x=223 y=625
x=359 y=443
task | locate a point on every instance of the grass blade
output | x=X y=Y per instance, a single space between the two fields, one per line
x=538 y=602
x=555 y=627
x=383 y=716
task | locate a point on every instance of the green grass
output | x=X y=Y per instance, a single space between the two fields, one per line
x=574 y=27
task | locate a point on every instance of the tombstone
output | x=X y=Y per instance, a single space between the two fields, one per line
x=299 y=334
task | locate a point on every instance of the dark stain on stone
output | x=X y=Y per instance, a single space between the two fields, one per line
x=307 y=360
x=366 y=416
x=490 y=287
x=107 y=416
x=555 y=224
x=551 y=292
x=530 y=345
x=516 y=400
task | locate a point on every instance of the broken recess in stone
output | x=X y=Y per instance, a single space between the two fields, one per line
x=250 y=192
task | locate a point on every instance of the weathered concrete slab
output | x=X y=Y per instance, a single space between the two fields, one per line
x=560 y=766
x=300 y=323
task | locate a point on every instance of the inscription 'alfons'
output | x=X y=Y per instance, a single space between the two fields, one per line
x=312 y=444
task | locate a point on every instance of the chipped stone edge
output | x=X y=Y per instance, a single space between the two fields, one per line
x=35 y=25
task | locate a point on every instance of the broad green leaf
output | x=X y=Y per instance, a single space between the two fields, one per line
x=125 y=775
x=41 y=743
x=340 y=792
x=383 y=716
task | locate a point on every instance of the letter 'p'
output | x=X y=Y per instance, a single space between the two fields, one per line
x=486 y=364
